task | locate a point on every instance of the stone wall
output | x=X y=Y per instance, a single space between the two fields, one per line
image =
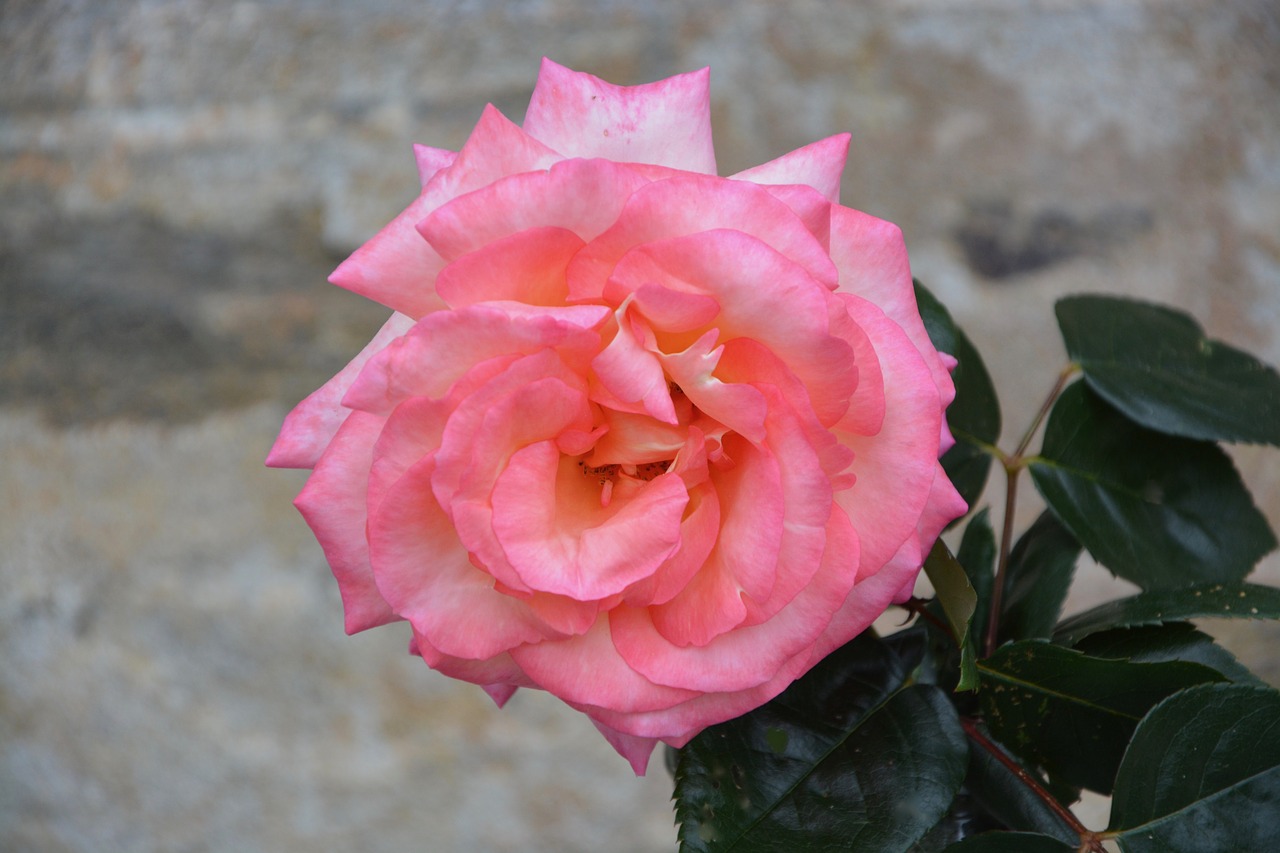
x=178 y=177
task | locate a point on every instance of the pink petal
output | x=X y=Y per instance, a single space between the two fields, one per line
x=819 y=165
x=635 y=749
x=431 y=160
x=548 y=517
x=311 y=425
x=528 y=266
x=333 y=503
x=900 y=459
x=767 y=298
x=629 y=370
x=872 y=258
x=443 y=347
x=495 y=149
x=425 y=574
x=693 y=204
x=397 y=267
x=412 y=432
x=667 y=122
x=752 y=655
x=536 y=399
x=588 y=670
x=739 y=407
x=581 y=196
x=496 y=674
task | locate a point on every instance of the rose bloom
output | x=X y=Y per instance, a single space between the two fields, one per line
x=652 y=440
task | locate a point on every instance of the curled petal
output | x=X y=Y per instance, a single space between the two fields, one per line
x=425 y=574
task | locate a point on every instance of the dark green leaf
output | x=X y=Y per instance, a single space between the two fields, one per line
x=1203 y=774
x=977 y=554
x=1171 y=641
x=1039 y=575
x=1160 y=511
x=1072 y=714
x=974 y=415
x=1223 y=601
x=1003 y=795
x=845 y=759
x=958 y=600
x=1156 y=366
x=1010 y=842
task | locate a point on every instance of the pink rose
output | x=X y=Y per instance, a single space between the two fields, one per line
x=650 y=439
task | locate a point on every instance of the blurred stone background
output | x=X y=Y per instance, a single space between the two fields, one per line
x=178 y=177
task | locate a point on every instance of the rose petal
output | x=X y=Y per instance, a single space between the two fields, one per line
x=667 y=122
x=580 y=196
x=528 y=267
x=431 y=161
x=819 y=165
x=333 y=504
x=749 y=656
x=872 y=258
x=312 y=424
x=900 y=459
x=588 y=670
x=693 y=204
x=441 y=348
x=548 y=517
x=425 y=574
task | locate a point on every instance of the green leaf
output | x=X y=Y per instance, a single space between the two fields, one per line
x=977 y=554
x=1156 y=366
x=1160 y=511
x=1010 y=842
x=1223 y=601
x=1203 y=774
x=1171 y=641
x=1005 y=797
x=958 y=600
x=1039 y=575
x=845 y=759
x=974 y=415
x=1072 y=714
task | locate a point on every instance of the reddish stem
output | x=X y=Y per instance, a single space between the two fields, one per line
x=1089 y=840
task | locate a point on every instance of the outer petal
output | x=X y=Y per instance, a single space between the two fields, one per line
x=398 y=267
x=431 y=160
x=587 y=670
x=667 y=123
x=819 y=165
x=311 y=425
x=581 y=196
x=635 y=749
x=692 y=204
x=443 y=347
x=333 y=503
x=872 y=258
x=900 y=459
x=751 y=655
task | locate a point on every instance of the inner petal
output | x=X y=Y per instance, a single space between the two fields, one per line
x=584 y=533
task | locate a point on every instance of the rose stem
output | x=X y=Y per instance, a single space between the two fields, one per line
x=1089 y=840
x=1013 y=465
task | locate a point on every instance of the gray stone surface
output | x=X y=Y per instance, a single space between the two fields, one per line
x=177 y=179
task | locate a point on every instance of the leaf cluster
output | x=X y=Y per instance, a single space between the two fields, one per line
x=975 y=729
